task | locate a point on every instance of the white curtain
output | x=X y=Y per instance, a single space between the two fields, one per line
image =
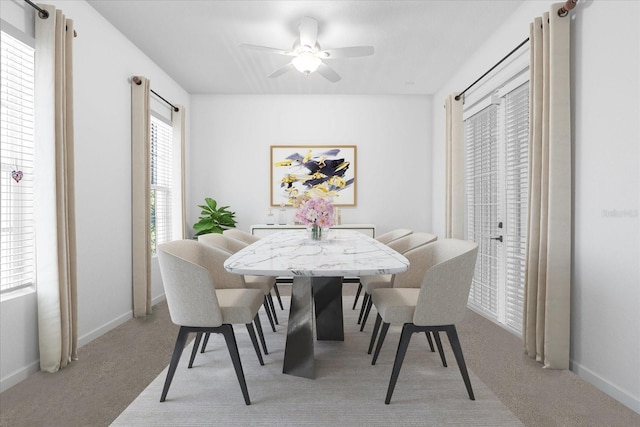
x=454 y=208
x=548 y=260
x=54 y=192
x=140 y=195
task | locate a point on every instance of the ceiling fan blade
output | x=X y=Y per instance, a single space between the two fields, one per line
x=280 y=71
x=308 y=32
x=267 y=49
x=346 y=52
x=328 y=73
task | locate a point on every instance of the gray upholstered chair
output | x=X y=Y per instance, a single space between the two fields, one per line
x=385 y=238
x=249 y=238
x=227 y=246
x=437 y=304
x=196 y=305
x=369 y=283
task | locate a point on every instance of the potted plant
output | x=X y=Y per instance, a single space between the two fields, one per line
x=214 y=219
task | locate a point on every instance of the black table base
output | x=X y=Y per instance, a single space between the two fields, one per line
x=325 y=295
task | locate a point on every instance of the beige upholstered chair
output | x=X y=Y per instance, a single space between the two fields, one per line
x=369 y=283
x=385 y=238
x=227 y=246
x=196 y=305
x=392 y=235
x=249 y=238
x=437 y=304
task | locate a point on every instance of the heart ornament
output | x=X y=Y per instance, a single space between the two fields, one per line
x=16 y=175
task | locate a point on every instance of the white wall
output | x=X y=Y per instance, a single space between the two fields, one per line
x=605 y=319
x=103 y=62
x=229 y=158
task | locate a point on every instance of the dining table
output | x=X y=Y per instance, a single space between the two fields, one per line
x=317 y=268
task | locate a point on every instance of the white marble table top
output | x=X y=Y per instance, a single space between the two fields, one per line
x=292 y=253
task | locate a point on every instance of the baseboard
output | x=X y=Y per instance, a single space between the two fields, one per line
x=101 y=330
x=622 y=396
x=18 y=376
x=22 y=374
x=98 y=332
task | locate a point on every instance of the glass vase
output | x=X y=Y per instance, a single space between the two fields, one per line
x=316 y=232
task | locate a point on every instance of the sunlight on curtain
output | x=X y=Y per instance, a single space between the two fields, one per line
x=54 y=192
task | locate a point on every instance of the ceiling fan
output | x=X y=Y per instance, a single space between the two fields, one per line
x=307 y=54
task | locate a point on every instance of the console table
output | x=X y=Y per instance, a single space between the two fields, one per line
x=262 y=230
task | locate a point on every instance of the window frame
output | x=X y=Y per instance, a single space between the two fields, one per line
x=153 y=187
x=30 y=262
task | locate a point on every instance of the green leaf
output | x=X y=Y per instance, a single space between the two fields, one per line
x=211 y=203
x=214 y=219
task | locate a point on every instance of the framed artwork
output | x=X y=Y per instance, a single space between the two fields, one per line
x=309 y=171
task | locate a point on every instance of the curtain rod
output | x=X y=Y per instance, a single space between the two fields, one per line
x=457 y=97
x=41 y=12
x=137 y=81
x=44 y=14
x=562 y=12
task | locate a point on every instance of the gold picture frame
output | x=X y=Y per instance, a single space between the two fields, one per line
x=299 y=171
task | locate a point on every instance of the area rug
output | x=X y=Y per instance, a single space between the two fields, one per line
x=347 y=391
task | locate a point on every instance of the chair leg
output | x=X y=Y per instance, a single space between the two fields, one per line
x=457 y=351
x=436 y=335
x=175 y=358
x=256 y=321
x=275 y=288
x=355 y=300
x=265 y=304
x=374 y=334
x=254 y=341
x=366 y=313
x=430 y=341
x=365 y=298
x=383 y=334
x=405 y=337
x=194 y=351
x=205 y=342
x=232 y=345
x=273 y=308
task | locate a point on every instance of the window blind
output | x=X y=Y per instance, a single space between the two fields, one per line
x=482 y=204
x=17 y=261
x=516 y=196
x=161 y=173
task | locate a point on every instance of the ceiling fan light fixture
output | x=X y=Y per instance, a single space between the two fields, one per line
x=306 y=62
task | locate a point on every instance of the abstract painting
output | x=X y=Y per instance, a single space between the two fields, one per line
x=300 y=172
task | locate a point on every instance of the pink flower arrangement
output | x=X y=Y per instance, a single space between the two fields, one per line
x=316 y=211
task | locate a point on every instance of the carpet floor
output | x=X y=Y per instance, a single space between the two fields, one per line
x=114 y=369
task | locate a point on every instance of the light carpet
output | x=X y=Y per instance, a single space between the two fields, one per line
x=347 y=391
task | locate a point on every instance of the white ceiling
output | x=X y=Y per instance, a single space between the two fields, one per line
x=418 y=44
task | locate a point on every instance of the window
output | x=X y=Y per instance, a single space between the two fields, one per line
x=161 y=181
x=17 y=260
x=497 y=143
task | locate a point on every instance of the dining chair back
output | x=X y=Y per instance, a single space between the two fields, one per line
x=392 y=235
x=249 y=238
x=198 y=307
x=385 y=238
x=412 y=241
x=243 y=236
x=223 y=247
x=402 y=245
x=222 y=241
x=436 y=305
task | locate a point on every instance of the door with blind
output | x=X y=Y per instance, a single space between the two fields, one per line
x=496 y=141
